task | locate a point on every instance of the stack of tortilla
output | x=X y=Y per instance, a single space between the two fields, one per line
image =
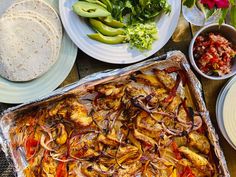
x=30 y=40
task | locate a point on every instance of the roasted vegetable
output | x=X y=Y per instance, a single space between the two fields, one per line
x=199 y=141
x=198 y=160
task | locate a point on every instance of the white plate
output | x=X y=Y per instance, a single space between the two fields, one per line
x=77 y=29
x=13 y=92
x=229 y=113
x=220 y=104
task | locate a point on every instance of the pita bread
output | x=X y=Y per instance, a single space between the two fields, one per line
x=27 y=49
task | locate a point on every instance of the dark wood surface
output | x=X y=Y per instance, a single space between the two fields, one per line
x=180 y=40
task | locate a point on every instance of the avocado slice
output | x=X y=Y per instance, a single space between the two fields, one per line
x=112 y=22
x=104 y=29
x=108 y=39
x=90 y=10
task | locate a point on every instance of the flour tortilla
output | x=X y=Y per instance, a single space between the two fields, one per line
x=26 y=50
x=54 y=33
x=41 y=7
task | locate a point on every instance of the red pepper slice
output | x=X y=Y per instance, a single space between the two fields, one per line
x=187 y=172
x=179 y=71
x=62 y=169
x=176 y=151
x=173 y=91
x=31 y=146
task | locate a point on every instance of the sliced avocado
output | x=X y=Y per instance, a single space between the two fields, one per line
x=112 y=22
x=108 y=4
x=104 y=29
x=108 y=39
x=97 y=2
x=90 y=10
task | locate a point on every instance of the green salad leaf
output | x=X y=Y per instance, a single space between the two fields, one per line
x=139 y=10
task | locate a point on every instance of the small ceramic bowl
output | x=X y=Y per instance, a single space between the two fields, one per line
x=226 y=31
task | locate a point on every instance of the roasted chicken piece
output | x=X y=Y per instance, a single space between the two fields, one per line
x=87 y=170
x=49 y=166
x=74 y=169
x=107 y=103
x=182 y=114
x=197 y=160
x=148 y=126
x=174 y=105
x=73 y=110
x=199 y=141
x=185 y=162
x=111 y=89
x=127 y=154
x=82 y=147
x=114 y=136
x=34 y=165
x=144 y=138
x=164 y=78
x=123 y=155
x=129 y=170
x=56 y=108
x=79 y=115
x=202 y=173
x=60 y=134
x=157 y=97
x=197 y=172
x=112 y=141
x=147 y=79
x=181 y=140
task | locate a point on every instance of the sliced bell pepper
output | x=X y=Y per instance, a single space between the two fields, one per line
x=61 y=169
x=31 y=146
x=187 y=172
x=176 y=150
x=173 y=91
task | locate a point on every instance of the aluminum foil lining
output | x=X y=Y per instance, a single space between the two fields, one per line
x=173 y=58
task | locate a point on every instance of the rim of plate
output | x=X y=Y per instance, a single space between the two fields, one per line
x=219 y=110
x=228 y=122
x=19 y=92
x=115 y=53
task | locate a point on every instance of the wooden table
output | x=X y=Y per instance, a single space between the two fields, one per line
x=180 y=40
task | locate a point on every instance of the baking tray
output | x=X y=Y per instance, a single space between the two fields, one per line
x=173 y=58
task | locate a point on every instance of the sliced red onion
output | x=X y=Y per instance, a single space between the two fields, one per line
x=158 y=167
x=45 y=145
x=167 y=130
x=197 y=122
x=99 y=170
x=47 y=130
x=56 y=157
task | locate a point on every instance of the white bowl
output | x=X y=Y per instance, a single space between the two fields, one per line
x=225 y=30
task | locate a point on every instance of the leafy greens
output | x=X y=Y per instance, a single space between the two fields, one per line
x=139 y=10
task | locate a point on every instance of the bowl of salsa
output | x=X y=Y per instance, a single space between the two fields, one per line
x=212 y=51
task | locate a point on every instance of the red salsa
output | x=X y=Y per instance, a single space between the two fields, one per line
x=214 y=54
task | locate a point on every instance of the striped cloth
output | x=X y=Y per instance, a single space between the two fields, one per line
x=5 y=167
